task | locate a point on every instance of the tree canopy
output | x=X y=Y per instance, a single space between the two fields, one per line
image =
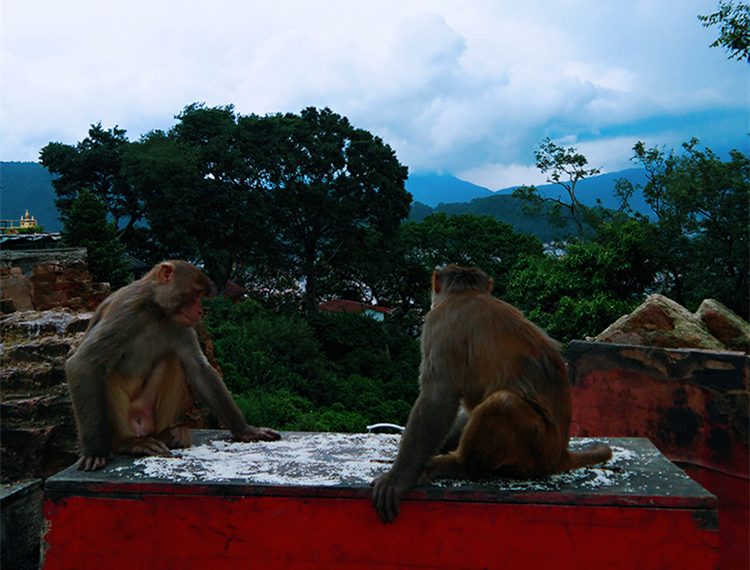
x=734 y=22
x=290 y=195
x=85 y=225
x=702 y=207
x=566 y=167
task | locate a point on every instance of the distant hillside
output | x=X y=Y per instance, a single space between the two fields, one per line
x=432 y=189
x=601 y=187
x=28 y=186
x=502 y=207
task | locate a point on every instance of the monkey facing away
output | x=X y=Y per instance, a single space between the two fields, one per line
x=128 y=378
x=507 y=378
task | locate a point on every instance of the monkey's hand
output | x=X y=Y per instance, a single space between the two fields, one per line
x=386 y=497
x=251 y=433
x=92 y=462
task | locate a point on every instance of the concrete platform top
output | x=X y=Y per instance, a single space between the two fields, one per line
x=343 y=465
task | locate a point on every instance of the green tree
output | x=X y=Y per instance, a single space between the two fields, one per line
x=468 y=239
x=314 y=372
x=702 y=206
x=566 y=168
x=401 y=279
x=588 y=286
x=330 y=183
x=201 y=187
x=735 y=28
x=95 y=164
x=85 y=225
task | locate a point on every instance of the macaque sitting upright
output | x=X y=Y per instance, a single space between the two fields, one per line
x=128 y=377
x=494 y=396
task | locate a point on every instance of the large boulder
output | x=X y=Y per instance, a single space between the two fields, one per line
x=661 y=322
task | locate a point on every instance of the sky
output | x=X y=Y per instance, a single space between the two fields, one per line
x=461 y=87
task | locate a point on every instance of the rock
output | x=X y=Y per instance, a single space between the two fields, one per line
x=661 y=322
x=725 y=325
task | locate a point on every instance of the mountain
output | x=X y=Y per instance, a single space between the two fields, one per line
x=432 y=189
x=28 y=186
x=600 y=187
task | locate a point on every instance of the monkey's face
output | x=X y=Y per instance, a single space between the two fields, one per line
x=191 y=310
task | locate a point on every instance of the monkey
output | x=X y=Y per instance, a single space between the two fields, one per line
x=129 y=377
x=494 y=396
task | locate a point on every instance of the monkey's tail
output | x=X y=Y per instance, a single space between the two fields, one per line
x=599 y=453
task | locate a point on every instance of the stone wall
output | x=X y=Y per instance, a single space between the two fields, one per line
x=45 y=279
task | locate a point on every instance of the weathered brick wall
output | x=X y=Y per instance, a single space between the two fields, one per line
x=45 y=279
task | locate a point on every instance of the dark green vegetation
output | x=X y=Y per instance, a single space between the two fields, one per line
x=318 y=372
x=85 y=225
x=302 y=208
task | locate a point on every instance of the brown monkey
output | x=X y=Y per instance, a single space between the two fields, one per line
x=480 y=355
x=128 y=378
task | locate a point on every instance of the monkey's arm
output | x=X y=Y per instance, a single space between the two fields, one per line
x=212 y=391
x=86 y=373
x=429 y=423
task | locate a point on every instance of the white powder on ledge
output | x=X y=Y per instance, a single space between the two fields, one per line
x=332 y=459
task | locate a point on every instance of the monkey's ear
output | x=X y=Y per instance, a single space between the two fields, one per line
x=490 y=284
x=436 y=285
x=166 y=271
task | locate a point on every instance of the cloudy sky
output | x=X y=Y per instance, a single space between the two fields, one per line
x=462 y=87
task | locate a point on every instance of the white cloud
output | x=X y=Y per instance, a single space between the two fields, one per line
x=467 y=88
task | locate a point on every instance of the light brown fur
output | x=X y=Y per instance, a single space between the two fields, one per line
x=494 y=396
x=128 y=378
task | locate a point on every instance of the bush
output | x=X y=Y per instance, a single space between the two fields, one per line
x=325 y=372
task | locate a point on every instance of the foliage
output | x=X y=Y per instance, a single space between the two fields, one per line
x=95 y=164
x=321 y=372
x=566 y=167
x=201 y=187
x=288 y=194
x=330 y=183
x=590 y=285
x=702 y=206
x=735 y=28
x=467 y=239
x=85 y=225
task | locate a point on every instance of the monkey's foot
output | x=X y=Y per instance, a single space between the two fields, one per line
x=145 y=445
x=442 y=467
x=256 y=434
x=176 y=437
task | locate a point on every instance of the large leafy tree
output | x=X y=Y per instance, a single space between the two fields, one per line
x=201 y=188
x=584 y=290
x=702 y=206
x=401 y=280
x=95 y=164
x=329 y=185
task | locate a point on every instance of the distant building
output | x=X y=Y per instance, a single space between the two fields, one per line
x=343 y=306
x=26 y=222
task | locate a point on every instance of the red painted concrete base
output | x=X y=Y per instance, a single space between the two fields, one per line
x=692 y=404
x=645 y=514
